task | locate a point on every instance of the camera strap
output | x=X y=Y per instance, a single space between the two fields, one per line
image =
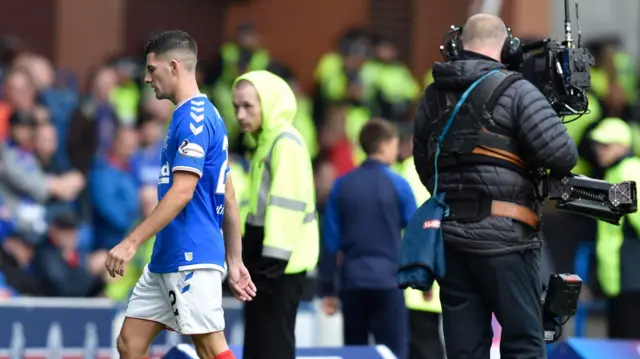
x=447 y=126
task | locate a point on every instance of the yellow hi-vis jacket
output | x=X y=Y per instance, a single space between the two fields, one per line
x=281 y=189
x=610 y=237
x=414 y=299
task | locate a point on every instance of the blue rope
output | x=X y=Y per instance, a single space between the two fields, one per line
x=446 y=129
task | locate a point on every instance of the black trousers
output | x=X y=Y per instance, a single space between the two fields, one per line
x=624 y=316
x=509 y=286
x=270 y=320
x=381 y=313
x=425 y=335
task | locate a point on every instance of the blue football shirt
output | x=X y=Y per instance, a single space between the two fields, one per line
x=196 y=141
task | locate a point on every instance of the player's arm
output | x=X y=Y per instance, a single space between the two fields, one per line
x=193 y=139
x=231 y=224
x=180 y=193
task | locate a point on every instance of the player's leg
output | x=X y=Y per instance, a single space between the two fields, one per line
x=147 y=314
x=136 y=336
x=197 y=302
x=212 y=346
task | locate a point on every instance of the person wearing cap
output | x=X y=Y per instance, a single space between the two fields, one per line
x=57 y=262
x=618 y=247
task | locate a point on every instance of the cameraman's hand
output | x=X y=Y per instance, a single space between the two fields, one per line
x=428 y=295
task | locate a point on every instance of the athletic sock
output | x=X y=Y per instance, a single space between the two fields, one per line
x=225 y=355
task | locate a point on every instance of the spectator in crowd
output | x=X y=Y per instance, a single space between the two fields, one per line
x=114 y=190
x=244 y=53
x=120 y=288
x=335 y=143
x=303 y=121
x=10 y=47
x=19 y=95
x=57 y=262
x=342 y=74
x=16 y=265
x=59 y=101
x=46 y=146
x=93 y=124
x=20 y=90
x=146 y=162
x=23 y=184
x=394 y=89
x=618 y=247
x=126 y=95
x=16 y=256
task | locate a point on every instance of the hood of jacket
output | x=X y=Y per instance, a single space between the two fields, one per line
x=277 y=101
x=459 y=74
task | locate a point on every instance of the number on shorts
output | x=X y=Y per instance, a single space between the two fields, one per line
x=172 y=295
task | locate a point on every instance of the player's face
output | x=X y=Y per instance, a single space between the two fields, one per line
x=247 y=105
x=160 y=75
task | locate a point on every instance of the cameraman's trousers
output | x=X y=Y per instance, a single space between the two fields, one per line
x=507 y=285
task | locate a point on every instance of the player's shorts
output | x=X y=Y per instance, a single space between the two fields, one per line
x=189 y=302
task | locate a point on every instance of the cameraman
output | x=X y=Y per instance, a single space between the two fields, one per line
x=492 y=238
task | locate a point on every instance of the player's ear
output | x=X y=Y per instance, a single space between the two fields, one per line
x=174 y=67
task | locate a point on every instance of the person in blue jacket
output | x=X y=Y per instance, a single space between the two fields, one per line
x=114 y=191
x=363 y=220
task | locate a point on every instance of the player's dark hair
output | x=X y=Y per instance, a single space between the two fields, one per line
x=376 y=132
x=171 y=40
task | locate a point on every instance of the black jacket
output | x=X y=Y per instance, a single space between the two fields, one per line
x=521 y=111
x=59 y=278
x=22 y=281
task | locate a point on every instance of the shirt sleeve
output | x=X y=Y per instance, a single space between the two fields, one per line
x=331 y=221
x=192 y=142
x=407 y=200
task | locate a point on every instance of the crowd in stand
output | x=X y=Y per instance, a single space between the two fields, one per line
x=79 y=164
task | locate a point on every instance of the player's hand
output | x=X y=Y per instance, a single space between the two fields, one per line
x=330 y=305
x=119 y=256
x=240 y=282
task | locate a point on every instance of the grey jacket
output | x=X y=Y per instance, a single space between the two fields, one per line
x=21 y=177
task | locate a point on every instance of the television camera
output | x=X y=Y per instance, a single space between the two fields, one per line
x=587 y=197
x=561 y=71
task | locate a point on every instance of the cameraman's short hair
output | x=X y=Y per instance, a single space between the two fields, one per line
x=482 y=29
x=176 y=41
x=376 y=132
